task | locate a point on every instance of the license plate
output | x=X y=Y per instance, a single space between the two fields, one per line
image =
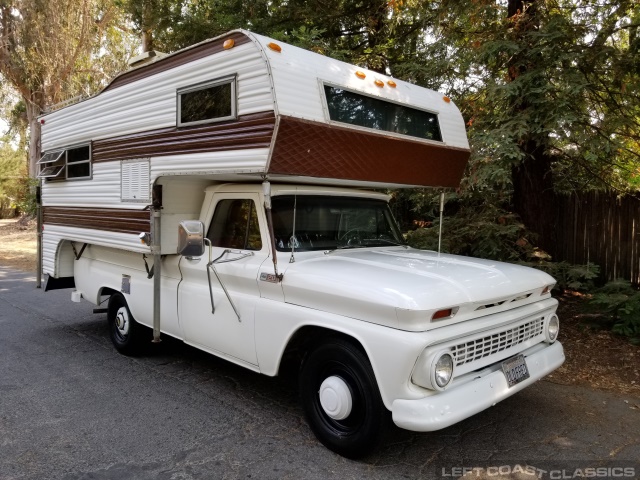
x=515 y=369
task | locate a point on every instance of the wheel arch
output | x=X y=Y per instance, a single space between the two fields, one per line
x=306 y=337
x=283 y=329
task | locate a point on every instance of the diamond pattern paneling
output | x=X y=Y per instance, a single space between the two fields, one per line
x=314 y=149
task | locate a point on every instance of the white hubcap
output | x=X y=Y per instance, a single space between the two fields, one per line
x=335 y=398
x=122 y=321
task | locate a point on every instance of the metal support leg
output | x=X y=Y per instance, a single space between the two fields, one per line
x=157 y=275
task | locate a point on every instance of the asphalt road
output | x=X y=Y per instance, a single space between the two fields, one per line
x=71 y=407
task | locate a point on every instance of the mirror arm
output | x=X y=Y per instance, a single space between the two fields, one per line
x=211 y=266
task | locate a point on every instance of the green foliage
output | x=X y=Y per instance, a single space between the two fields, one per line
x=569 y=276
x=26 y=199
x=474 y=230
x=620 y=300
x=12 y=177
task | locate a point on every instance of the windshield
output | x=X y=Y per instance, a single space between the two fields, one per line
x=327 y=223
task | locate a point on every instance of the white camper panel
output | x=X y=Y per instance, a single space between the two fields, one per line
x=299 y=75
x=150 y=103
x=250 y=160
x=102 y=191
x=57 y=254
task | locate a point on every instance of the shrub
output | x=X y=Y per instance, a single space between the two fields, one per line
x=622 y=302
x=569 y=276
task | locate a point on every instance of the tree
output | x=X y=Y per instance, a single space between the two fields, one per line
x=52 y=50
x=549 y=89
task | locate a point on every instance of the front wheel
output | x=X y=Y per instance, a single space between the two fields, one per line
x=341 y=400
x=126 y=334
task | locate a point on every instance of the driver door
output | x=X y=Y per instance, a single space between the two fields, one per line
x=236 y=234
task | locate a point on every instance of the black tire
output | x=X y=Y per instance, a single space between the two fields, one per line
x=362 y=430
x=127 y=335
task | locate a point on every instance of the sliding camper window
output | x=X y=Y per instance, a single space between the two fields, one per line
x=349 y=107
x=206 y=103
x=73 y=163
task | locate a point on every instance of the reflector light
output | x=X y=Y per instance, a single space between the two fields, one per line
x=442 y=314
x=446 y=99
x=391 y=83
x=228 y=44
x=379 y=83
x=360 y=74
x=274 y=46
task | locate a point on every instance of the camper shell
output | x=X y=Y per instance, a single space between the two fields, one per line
x=280 y=128
x=223 y=195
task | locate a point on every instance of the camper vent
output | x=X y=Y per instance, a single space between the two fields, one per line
x=135 y=181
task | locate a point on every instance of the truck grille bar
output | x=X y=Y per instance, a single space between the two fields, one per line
x=476 y=349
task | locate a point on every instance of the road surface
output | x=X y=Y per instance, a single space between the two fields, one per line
x=71 y=407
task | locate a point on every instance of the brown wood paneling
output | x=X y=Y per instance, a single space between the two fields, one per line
x=110 y=219
x=315 y=149
x=248 y=131
x=182 y=57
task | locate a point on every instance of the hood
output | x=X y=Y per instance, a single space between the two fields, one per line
x=402 y=288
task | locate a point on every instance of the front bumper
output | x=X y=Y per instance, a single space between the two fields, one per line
x=451 y=406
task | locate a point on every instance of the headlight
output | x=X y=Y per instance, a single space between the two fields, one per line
x=552 y=328
x=433 y=370
x=443 y=370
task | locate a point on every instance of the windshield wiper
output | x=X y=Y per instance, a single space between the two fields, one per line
x=363 y=244
x=390 y=242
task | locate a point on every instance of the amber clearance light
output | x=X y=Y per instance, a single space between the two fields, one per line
x=228 y=44
x=361 y=75
x=444 y=313
x=391 y=83
x=274 y=46
x=379 y=83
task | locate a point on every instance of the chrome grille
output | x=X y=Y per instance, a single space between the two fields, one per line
x=483 y=347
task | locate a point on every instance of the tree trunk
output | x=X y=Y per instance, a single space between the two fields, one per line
x=533 y=194
x=33 y=110
x=532 y=178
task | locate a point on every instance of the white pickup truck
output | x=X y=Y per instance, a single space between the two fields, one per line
x=379 y=326
x=216 y=194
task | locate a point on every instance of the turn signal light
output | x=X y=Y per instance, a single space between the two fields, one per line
x=445 y=313
x=547 y=289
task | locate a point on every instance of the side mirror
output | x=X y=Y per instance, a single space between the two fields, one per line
x=191 y=238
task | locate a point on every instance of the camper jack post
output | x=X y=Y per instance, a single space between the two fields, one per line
x=156 y=209
x=39 y=234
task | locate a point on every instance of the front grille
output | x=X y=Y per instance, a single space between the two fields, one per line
x=483 y=347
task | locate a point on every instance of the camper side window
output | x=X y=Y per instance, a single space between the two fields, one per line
x=364 y=111
x=71 y=163
x=205 y=103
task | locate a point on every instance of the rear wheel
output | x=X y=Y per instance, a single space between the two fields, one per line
x=126 y=334
x=341 y=399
